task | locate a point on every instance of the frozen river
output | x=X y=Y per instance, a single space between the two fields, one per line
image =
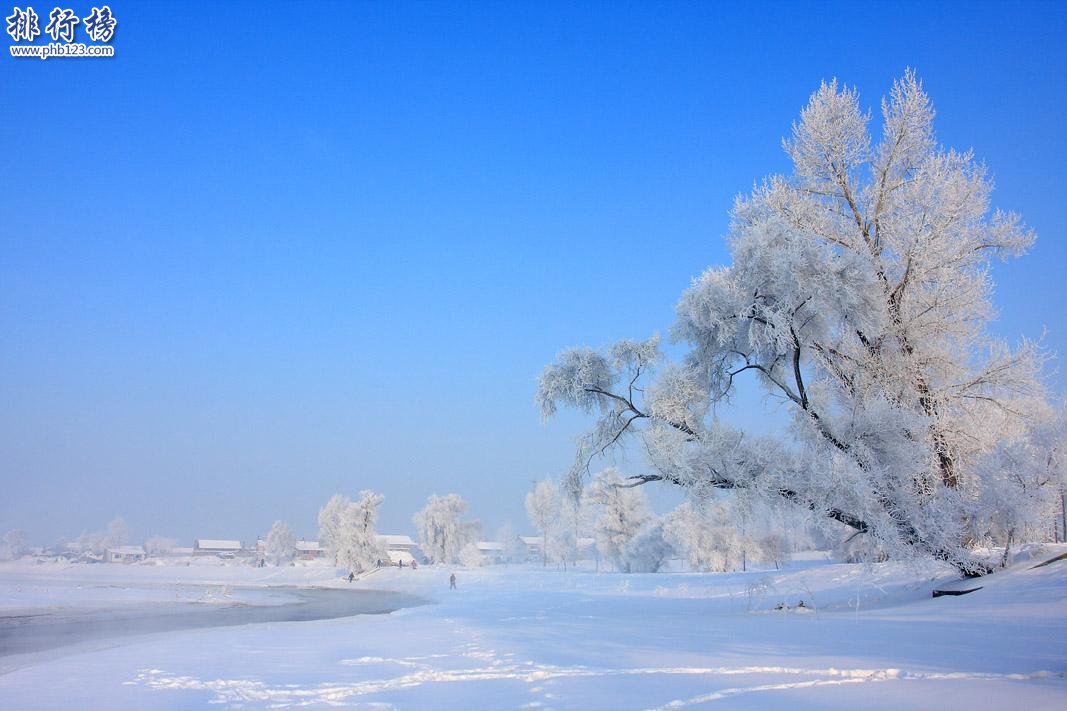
x=23 y=632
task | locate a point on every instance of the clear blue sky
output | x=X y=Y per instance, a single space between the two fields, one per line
x=272 y=252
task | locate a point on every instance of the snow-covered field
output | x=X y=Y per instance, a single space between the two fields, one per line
x=522 y=637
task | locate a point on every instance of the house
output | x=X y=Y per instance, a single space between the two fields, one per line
x=587 y=549
x=492 y=552
x=125 y=554
x=533 y=546
x=308 y=550
x=399 y=547
x=218 y=547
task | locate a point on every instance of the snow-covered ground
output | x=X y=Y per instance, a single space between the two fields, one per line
x=522 y=637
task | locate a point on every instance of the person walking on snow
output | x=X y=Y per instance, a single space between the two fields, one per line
x=351 y=577
x=452 y=582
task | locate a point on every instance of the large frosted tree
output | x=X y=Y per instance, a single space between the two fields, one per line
x=708 y=537
x=442 y=536
x=543 y=507
x=346 y=530
x=512 y=549
x=97 y=542
x=280 y=543
x=159 y=545
x=621 y=514
x=859 y=296
x=12 y=544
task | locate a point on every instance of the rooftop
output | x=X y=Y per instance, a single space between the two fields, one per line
x=395 y=539
x=218 y=544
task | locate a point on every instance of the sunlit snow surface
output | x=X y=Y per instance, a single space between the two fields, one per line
x=522 y=637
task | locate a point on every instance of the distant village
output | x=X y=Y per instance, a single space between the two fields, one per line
x=402 y=550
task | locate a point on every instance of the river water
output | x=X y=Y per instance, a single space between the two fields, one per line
x=45 y=630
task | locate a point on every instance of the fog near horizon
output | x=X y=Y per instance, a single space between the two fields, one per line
x=233 y=286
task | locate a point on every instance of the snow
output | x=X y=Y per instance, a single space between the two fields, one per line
x=526 y=637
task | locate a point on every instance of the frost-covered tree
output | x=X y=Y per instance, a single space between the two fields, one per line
x=115 y=533
x=561 y=518
x=771 y=548
x=359 y=547
x=346 y=530
x=512 y=549
x=543 y=510
x=440 y=532
x=622 y=511
x=97 y=542
x=649 y=550
x=1057 y=446
x=561 y=546
x=1024 y=485
x=159 y=545
x=12 y=544
x=470 y=557
x=280 y=543
x=331 y=517
x=858 y=547
x=708 y=535
x=858 y=295
x=575 y=518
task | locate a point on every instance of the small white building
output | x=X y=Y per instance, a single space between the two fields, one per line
x=533 y=546
x=308 y=550
x=400 y=547
x=125 y=554
x=492 y=552
x=216 y=546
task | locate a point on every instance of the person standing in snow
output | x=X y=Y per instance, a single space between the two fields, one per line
x=351 y=577
x=452 y=582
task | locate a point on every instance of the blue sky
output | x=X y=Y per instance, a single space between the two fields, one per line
x=271 y=252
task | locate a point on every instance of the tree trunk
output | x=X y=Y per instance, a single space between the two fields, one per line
x=1063 y=513
x=1007 y=549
